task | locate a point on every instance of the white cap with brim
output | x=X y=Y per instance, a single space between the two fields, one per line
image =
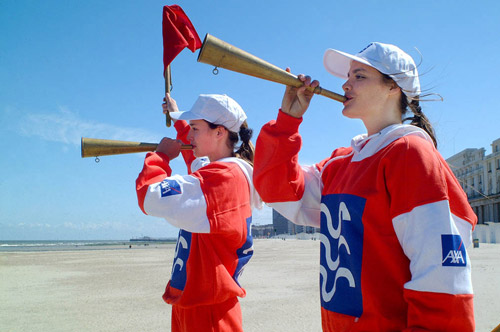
x=387 y=59
x=217 y=109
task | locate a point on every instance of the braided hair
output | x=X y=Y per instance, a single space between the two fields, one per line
x=418 y=119
x=246 y=150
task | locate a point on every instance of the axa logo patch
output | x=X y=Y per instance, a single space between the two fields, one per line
x=170 y=187
x=453 y=250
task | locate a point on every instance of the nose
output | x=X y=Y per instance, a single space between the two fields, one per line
x=346 y=86
x=190 y=135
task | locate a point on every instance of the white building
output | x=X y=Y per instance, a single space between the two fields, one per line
x=479 y=175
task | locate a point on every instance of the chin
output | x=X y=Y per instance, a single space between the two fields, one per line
x=346 y=113
x=349 y=114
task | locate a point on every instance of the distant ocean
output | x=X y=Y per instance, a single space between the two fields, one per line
x=38 y=245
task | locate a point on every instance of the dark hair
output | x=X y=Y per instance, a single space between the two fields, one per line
x=246 y=150
x=418 y=119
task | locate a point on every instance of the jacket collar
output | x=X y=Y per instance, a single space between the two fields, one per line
x=365 y=146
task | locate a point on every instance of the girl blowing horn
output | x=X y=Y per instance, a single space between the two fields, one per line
x=394 y=221
x=212 y=206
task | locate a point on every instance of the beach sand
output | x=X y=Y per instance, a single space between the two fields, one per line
x=119 y=289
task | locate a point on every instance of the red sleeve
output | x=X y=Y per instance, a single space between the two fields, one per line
x=427 y=310
x=277 y=175
x=183 y=128
x=415 y=164
x=156 y=168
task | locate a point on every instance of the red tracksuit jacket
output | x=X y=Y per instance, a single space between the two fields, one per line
x=213 y=209
x=395 y=224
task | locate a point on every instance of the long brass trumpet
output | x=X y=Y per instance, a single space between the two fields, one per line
x=95 y=147
x=218 y=53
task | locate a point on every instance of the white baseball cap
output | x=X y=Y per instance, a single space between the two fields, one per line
x=386 y=58
x=217 y=109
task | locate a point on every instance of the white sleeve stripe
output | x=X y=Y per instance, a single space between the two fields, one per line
x=420 y=234
x=307 y=210
x=186 y=210
x=464 y=228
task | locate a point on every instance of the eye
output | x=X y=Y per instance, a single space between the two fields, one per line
x=359 y=76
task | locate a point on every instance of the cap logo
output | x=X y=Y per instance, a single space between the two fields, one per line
x=364 y=49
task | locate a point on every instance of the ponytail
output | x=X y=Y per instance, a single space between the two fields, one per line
x=418 y=119
x=246 y=150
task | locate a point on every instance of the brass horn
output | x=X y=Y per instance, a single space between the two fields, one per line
x=95 y=147
x=218 y=53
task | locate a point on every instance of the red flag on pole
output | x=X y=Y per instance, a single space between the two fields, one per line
x=178 y=33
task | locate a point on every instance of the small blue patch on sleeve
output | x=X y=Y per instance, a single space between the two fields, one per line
x=453 y=250
x=170 y=187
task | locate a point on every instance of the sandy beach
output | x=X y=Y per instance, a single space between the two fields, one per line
x=120 y=288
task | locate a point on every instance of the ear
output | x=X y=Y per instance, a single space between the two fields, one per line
x=394 y=88
x=220 y=131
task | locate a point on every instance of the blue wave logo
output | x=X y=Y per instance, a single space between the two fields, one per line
x=182 y=249
x=245 y=252
x=341 y=253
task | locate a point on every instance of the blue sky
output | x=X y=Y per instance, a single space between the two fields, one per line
x=72 y=69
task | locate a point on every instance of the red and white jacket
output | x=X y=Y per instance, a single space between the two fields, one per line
x=212 y=206
x=395 y=224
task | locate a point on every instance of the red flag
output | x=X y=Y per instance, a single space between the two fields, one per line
x=178 y=32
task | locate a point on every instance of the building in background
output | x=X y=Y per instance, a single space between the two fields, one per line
x=280 y=226
x=284 y=226
x=479 y=175
x=262 y=231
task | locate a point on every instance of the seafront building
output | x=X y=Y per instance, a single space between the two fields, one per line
x=284 y=226
x=281 y=226
x=262 y=231
x=479 y=175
